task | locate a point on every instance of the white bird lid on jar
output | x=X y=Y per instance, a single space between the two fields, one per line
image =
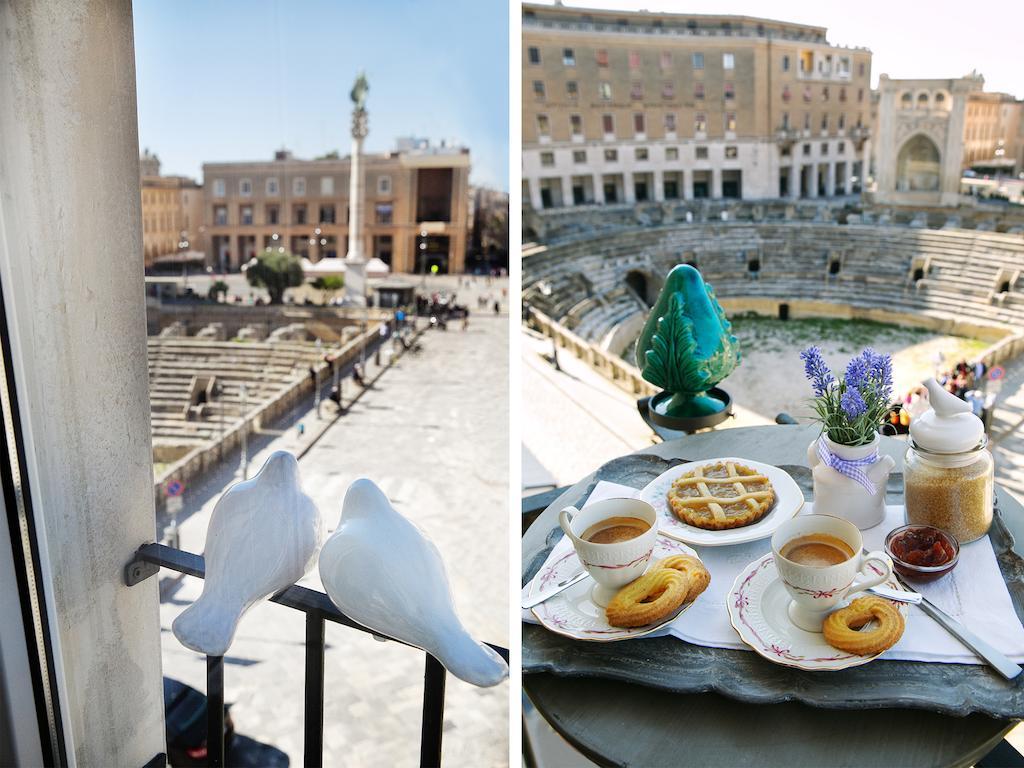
x=949 y=426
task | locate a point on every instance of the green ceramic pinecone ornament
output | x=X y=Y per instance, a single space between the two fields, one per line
x=686 y=346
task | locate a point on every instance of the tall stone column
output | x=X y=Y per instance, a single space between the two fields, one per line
x=812 y=181
x=716 y=183
x=598 y=188
x=658 y=193
x=830 y=180
x=355 y=262
x=794 y=173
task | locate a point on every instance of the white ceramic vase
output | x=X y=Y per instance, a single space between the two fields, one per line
x=838 y=495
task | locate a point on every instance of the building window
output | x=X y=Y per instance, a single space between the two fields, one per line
x=218 y=188
x=272 y=187
x=602 y=57
x=245 y=215
x=671 y=153
x=670 y=122
x=730 y=122
x=785 y=93
x=579 y=156
x=860 y=69
x=860 y=94
x=543 y=125
x=642 y=153
x=273 y=214
x=785 y=63
x=824 y=93
x=636 y=90
x=611 y=155
x=382 y=213
x=572 y=89
x=534 y=54
x=608 y=124
x=384 y=185
x=841 y=147
x=701 y=153
x=576 y=123
x=824 y=122
x=220 y=215
x=807 y=93
x=700 y=123
x=922 y=101
x=299 y=186
x=730 y=91
x=547 y=159
x=843 y=66
x=728 y=62
x=824 y=147
x=842 y=94
x=604 y=90
x=807 y=150
x=383 y=248
x=842 y=120
x=326 y=185
x=634 y=60
x=538 y=89
x=665 y=60
x=807 y=121
x=668 y=90
x=568 y=57
x=731 y=153
x=698 y=90
x=327 y=214
x=245 y=187
x=639 y=124
x=698 y=60
x=300 y=214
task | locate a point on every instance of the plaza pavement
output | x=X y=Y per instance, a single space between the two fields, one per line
x=433 y=433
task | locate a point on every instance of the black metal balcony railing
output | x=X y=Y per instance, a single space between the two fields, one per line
x=317 y=606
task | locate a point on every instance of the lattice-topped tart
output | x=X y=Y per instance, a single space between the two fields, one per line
x=720 y=496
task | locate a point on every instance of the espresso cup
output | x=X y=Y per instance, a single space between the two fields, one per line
x=616 y=564
x=816 y=590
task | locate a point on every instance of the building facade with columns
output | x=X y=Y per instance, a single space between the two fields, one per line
x=414 y=196
x=920 y=143
x=622 y=107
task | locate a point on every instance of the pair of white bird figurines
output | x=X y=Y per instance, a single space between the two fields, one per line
x=377 y=567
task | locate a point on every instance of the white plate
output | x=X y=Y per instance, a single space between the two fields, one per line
x=788 y=501
x=572 y=613
x=758 y=609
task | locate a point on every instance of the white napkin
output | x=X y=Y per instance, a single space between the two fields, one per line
x=974 y=594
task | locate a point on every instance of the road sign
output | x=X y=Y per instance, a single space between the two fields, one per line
x=174 y=504
x=175 y=488
x=996 y=373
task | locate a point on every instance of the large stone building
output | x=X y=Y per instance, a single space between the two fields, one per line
x=624 y=107
x=172 y=215
x=992 y=131
x=416 y=203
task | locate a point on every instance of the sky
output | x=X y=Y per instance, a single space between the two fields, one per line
x=236 y=80
x=908 y=38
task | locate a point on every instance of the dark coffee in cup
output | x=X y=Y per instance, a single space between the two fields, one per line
x=817 y=550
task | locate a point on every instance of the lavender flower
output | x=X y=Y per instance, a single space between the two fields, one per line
x=858 y=371
x=881 y=372
x=816 y=371
x=870 y=371
x=853 y=404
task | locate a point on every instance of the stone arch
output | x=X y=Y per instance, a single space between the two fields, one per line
x=942 y=100
x=922 y=100
x=640 y=283
x=918 y=165
x=906 y=100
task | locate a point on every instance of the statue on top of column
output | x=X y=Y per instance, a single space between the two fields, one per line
x=358 y=95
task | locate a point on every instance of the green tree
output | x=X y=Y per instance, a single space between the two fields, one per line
x=218 y=289
x=276 y=271
x=329 y=284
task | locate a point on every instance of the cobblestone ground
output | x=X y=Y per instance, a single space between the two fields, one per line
x=433 y=434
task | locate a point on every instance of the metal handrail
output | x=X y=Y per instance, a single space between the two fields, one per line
x=150 y=558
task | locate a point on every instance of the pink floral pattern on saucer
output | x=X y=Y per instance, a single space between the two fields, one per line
x=572 y=613
x=757 y=607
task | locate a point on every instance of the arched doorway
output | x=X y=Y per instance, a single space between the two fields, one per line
x=918 y=166
x=638 y=282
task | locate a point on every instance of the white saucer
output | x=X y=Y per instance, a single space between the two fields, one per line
x=572 y=613
x=788 y=501
x=758 y=605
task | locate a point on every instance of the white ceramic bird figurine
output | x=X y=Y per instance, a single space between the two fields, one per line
x=384 y=573
x=263 y=536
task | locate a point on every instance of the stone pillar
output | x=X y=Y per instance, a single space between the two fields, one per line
x=848 y=179
x=598 y=188
x=686 y=184
x=71 y=268
x=659 y=186
x=629 y=191
x=567 y=198
x=355 y=261
x=830 y=180
x=535 y=198
x=716 y=183
x=812 y=180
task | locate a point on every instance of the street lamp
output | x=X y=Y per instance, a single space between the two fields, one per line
x=423 y=256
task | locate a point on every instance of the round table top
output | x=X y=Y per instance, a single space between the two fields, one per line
x=618 y=723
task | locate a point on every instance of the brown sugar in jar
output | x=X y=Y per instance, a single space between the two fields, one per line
x=957 y=499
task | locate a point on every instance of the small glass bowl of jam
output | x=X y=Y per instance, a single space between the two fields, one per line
x=922 y=552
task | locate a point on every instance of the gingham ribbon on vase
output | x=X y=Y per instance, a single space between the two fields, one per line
x=849 y=467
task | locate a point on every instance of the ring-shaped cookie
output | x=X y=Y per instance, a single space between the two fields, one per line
x=651 y=597
x=841 y=628
x=696 y=574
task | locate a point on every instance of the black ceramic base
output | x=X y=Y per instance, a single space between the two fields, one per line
x=690 y=423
